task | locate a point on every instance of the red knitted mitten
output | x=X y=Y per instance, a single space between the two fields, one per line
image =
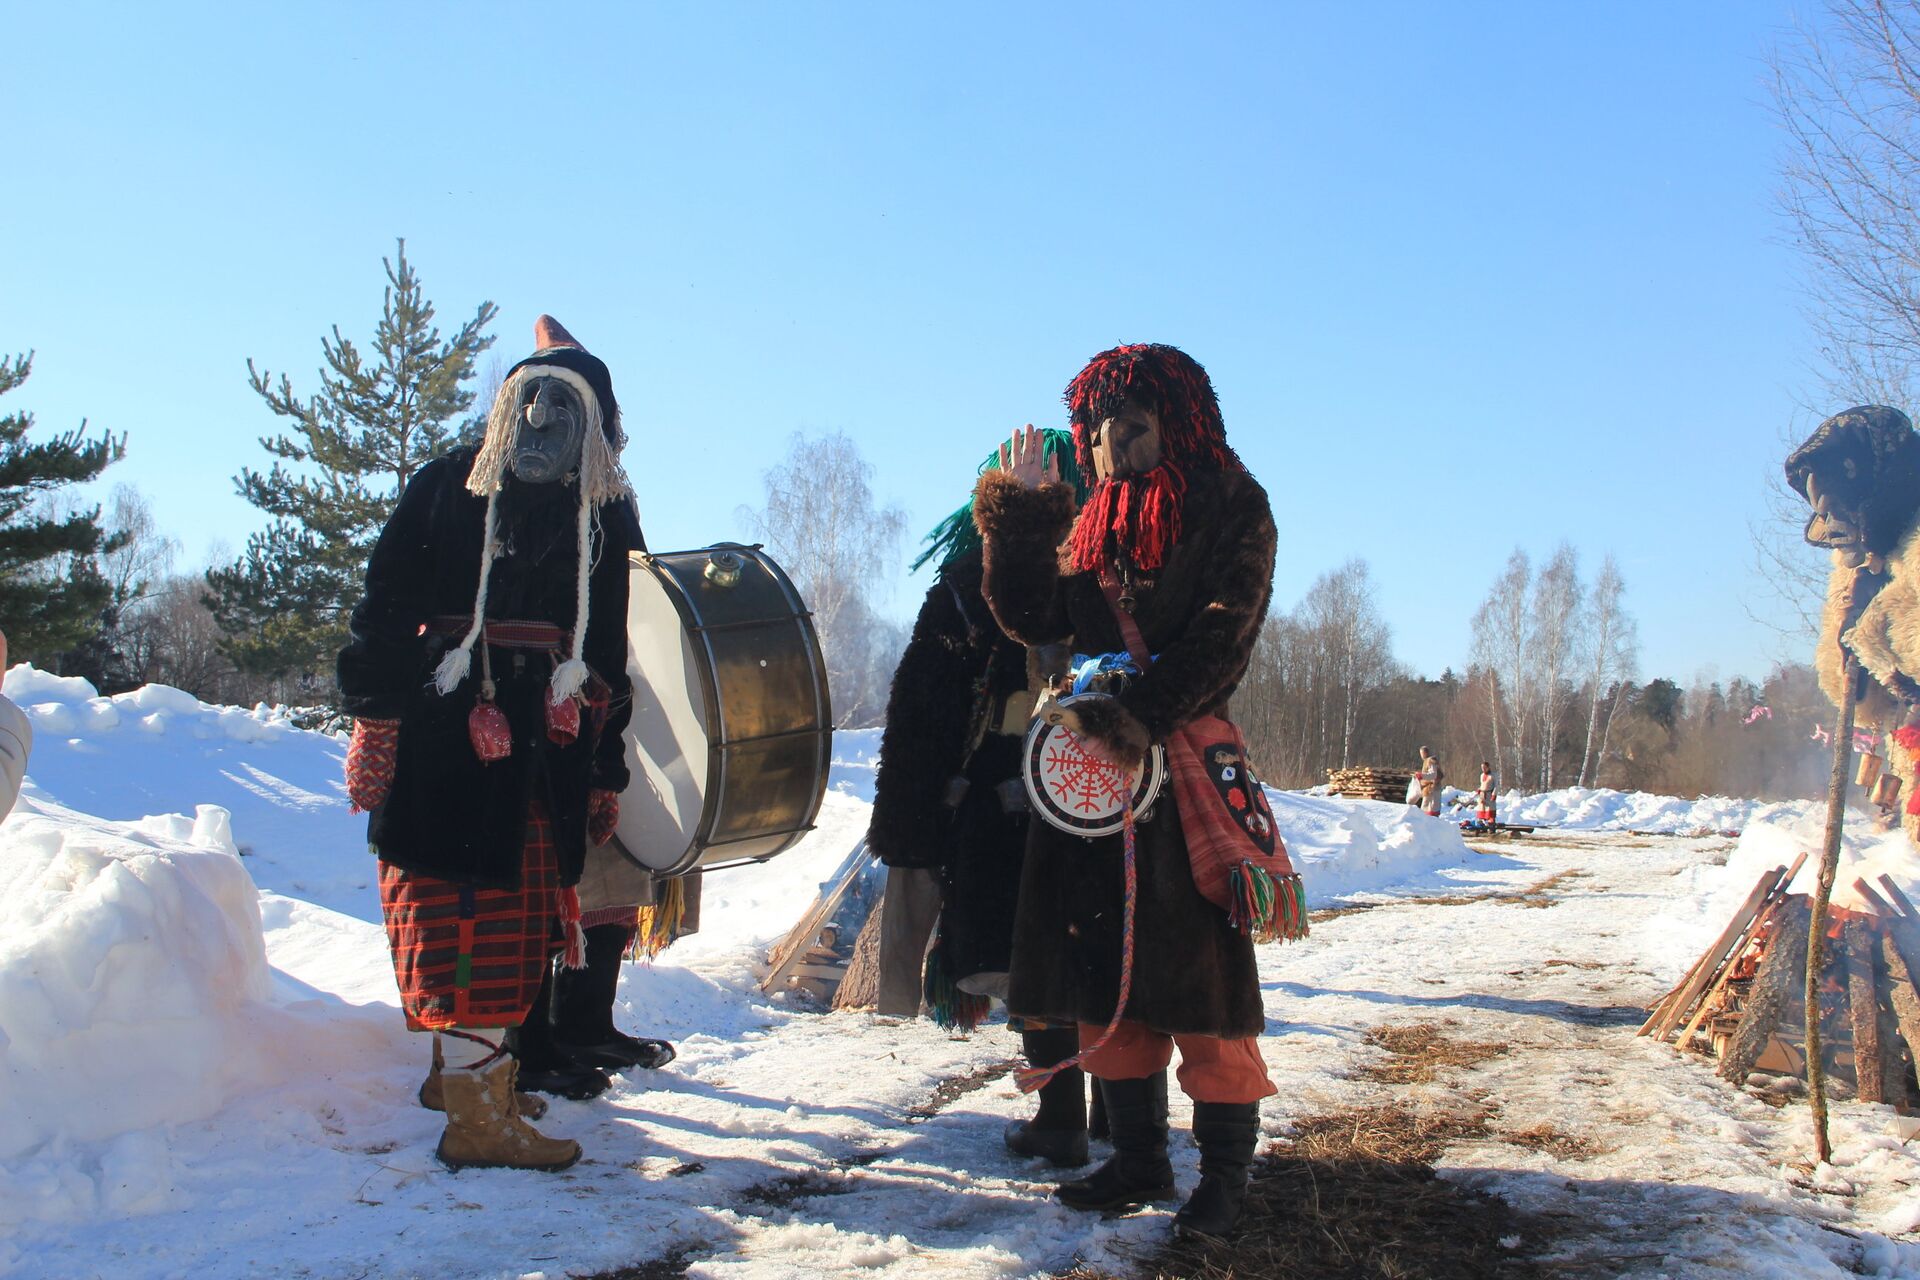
x=370 y=760
x=603 y=813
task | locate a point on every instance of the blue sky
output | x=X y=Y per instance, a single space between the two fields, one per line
x=1466 y=277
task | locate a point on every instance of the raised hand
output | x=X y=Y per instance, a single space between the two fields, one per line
x=1024 y=458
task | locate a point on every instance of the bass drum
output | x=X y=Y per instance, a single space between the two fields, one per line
x=732 y=731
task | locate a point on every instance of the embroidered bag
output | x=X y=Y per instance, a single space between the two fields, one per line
x=1239 y=861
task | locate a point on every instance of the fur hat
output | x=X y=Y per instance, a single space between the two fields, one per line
x=1868 y=460
x=601 y=480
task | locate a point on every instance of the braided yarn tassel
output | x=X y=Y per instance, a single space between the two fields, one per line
x=1270 y=908
x=574 y=956
x=951 y=1008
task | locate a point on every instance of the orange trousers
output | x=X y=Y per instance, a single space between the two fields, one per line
x=1211 y=1069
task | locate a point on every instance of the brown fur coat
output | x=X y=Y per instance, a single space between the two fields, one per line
x=1193 y=973
x=1885 y=636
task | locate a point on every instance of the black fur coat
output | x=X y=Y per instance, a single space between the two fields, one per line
x=958 y=666
x=449 y=815
x=1193 y=973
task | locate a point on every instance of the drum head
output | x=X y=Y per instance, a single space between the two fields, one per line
x=1078 y=792
x=667 y=739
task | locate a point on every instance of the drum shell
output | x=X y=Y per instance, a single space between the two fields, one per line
x=731 y=738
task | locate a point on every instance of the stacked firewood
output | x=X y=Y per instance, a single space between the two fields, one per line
x=1368 y=783
x=1743 y=1001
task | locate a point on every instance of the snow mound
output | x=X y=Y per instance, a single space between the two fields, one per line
x=129 y=954
x=1603 y=809
x=1342 y=847
x=161 y=750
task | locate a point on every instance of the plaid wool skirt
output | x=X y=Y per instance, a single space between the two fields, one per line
x=465 y=956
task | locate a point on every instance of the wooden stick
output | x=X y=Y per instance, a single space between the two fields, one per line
x=1879 y=904
x=1776 y=891
x=1898 y=897
x=1784 y=962
x=1822 y=894
x=1768 y=909
x=1710 y=960
x=1863 y=1001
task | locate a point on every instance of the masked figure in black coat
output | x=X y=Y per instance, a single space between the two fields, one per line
x=1184 y=540
x=486 y=672
x=950 y=817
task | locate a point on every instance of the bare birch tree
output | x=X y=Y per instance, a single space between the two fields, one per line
x=1553 y=640
x=821 y=523
x=1611 y=649
x=1353 y=644
x=1846 y=91
x=1501 y=628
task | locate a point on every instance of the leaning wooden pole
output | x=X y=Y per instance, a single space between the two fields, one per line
x=1822 y=893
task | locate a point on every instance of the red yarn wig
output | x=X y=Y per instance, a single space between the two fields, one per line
x=1140 y=515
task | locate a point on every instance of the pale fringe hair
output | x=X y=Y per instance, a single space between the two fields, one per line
x=601 y=480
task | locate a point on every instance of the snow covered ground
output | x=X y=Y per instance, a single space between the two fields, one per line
x=204 y=1073
x=1601 y=809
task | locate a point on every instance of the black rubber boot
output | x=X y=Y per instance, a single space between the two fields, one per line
x=544 y=1067
x=1138 y=1170
x=583 y=1008
x=1058 y=1131
x=1226 y=1133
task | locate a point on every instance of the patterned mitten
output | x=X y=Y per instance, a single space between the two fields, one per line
x=603 y=814
x=370 y=760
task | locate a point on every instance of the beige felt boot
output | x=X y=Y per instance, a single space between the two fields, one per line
x=484 y=1131
x=531 y=1105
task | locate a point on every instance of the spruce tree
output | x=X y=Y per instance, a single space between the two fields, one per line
x=338 y=471
x=52 y=592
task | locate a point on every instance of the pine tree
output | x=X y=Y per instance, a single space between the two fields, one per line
x=283 y=606
x=51 y=589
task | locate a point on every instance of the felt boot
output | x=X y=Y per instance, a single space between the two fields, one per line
x=483 y=1130
x=1138 y=1171
x=583 y=1008
x=433 y=1097
x=1226 y=1133
x=544 y=1068
x=1058 y=1132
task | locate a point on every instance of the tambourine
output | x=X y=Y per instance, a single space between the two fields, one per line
x=1075 y=790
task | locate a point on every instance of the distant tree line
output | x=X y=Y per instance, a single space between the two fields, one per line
x=1549 y=699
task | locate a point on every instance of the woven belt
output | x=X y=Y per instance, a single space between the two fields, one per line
x=507 y=633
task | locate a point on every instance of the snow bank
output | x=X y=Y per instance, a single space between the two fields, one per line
x=1603 y=809
x=123 y=953
x=160 y=750
x=1342 y=847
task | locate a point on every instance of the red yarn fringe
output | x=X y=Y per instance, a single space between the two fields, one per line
x=1139 y=515
x=1908 y=736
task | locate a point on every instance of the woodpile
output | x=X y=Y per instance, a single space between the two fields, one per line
x=1743 y=1002
x=1368 y=783
x=813 y=959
